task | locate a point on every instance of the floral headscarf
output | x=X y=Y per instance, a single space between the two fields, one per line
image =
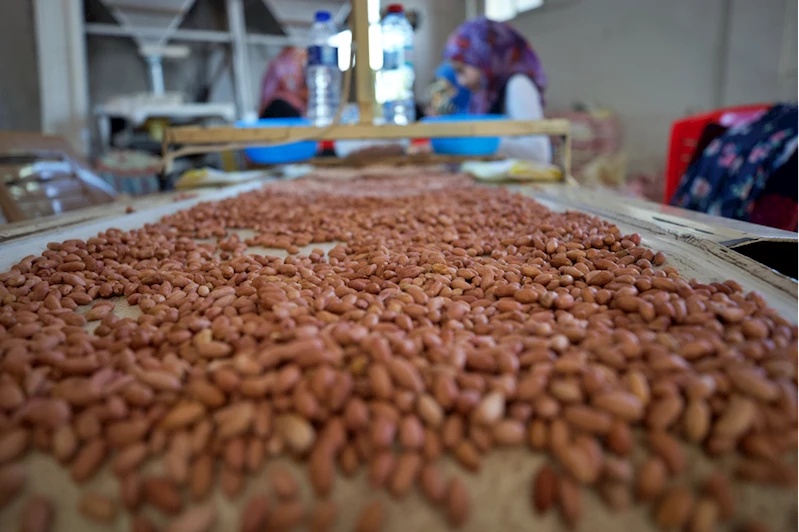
x=285 y=80
x=499 y=52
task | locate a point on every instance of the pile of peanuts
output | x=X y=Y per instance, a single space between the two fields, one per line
x=448 y=319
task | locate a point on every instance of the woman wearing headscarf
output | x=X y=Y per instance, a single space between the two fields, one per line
x=505 y=77
x=284 y=93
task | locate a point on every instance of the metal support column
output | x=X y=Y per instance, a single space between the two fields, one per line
x=241 y=64
x=156 y=74
x=61 y=54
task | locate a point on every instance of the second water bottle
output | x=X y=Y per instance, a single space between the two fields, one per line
x=322 y=74
x=395 y=79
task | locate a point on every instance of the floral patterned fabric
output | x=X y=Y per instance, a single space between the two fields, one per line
x=285 y=80
x=743 y=174
x=499 y=52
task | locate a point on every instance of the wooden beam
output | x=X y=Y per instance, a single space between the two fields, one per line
x=566 y=157
x=197 y=140
x=500 y=128
x=113 y=30
x=364 y=81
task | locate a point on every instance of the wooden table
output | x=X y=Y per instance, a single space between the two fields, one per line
x=501 y=492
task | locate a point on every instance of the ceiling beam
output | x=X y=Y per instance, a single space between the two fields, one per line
x=140 y=8
x=112 y=30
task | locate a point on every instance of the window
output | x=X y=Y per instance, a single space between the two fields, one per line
x=502 y=10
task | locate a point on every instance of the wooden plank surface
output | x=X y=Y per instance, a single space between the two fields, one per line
x=673 y=219
x=492 y=128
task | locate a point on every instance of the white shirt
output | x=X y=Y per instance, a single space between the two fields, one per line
x=523 y=102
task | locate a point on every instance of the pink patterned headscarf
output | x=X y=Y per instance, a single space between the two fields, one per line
x=499 y=52
x=285 y=80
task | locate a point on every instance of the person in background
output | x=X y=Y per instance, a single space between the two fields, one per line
x=747 y=172
x=445 y=96
x=284 y=93
x=505 y=77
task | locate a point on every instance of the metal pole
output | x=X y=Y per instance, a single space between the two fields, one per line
x=364 y=84
x=241 y=65
x=720 y=63
x=156 y=74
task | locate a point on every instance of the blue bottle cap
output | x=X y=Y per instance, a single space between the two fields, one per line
x=322 y=16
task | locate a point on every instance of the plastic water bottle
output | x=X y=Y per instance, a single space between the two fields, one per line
x=322 y=74
x=395 y=79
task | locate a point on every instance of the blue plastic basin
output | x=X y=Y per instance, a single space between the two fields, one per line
x=476 y=146
x=285 y=153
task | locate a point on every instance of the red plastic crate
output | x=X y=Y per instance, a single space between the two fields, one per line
x=685 y=135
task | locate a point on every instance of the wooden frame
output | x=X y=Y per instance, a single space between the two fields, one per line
x=196 y=140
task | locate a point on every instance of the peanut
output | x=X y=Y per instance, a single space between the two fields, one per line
x=37 y=515
x=12 y=479
x=255 y=515
x=704 y=516
x=13 y=444
x=197 y=519
x=405 y=473
x=283 y=483
x=98 y=508
x=458 y=503
x=717 y=486
x=162 y=493
x=371 y=518
x=651 y=479
x=432 y=484
x=674 y=508
x=570 y=502
x=545 y=489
